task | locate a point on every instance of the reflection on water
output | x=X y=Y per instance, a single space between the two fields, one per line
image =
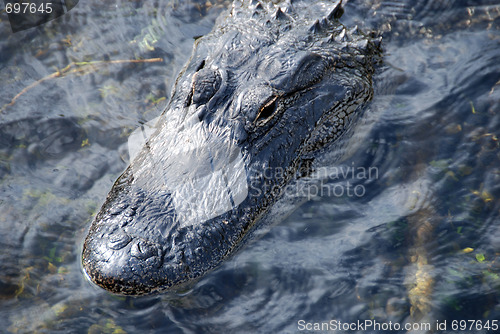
x=215 y=186
x=421 y=244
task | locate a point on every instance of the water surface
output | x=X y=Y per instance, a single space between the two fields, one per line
x=417 y=243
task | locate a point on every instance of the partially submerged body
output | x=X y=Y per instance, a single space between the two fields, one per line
x=261 y=95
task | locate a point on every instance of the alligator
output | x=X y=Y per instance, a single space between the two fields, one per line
x=273 y=85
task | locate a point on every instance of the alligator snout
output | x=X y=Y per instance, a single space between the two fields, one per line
x=164 y=209
x=122 y=265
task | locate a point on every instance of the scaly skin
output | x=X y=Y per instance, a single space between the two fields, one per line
x=267 y=89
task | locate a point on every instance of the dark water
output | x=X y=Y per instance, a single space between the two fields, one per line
x=416 y=241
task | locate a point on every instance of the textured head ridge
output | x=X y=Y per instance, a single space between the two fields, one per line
x=288 y=20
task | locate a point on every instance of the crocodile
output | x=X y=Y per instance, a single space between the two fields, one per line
x=271 y=87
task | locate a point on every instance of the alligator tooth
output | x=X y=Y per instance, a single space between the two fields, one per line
x=341 y=36
x=354 y=30
x=346 y=36
x=377 y=41
x=288 y=7
x=257 y=9
x=361 y=45
x=336 y=12
x=280 y=15
x=316 y=27
x=256 y=4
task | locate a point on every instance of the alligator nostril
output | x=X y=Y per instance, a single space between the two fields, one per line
x=144 y=250
x=118 y=240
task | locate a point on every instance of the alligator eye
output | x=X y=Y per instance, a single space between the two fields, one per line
x=205 y=84
x=189 y=99
x=202 y=64
x=267 y=110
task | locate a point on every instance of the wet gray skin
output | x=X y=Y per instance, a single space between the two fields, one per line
x=267 y=90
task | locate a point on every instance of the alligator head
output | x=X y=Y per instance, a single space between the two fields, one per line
x=268 y=87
